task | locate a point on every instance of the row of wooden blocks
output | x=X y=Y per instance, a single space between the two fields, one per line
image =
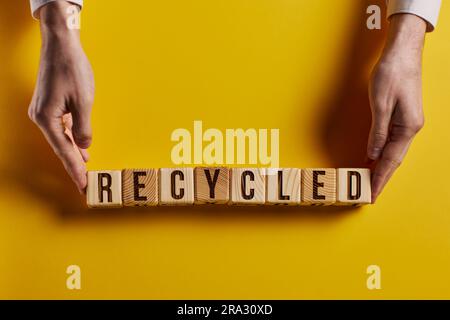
x=221 y=185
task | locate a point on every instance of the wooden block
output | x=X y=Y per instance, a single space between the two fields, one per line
x=318 y=186
x=283 y=186
x=104 y=189
x=353 y=186
x=212 y=185
x=140 y=187
x=176 y=186
x=248 y=186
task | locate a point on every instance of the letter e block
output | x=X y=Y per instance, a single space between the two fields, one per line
x=140 y=187
x=248 y=186
x=212 y=185
x=318 y=186
x=176 y=186
x=104 y=189
x=353 y=187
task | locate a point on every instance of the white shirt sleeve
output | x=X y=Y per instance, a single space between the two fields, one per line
x=37 y=4
x=426 y=9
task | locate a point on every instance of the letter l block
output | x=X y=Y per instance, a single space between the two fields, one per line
x=283 y=186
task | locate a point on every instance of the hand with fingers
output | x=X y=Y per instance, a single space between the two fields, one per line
x=64 y=93
x=395 y=93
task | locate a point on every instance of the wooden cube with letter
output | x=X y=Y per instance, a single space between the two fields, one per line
x=318 y=186
x=248 y=186
x=176 y=186
x=235 y=186
x=140 y=187
x=283 y=186
x=104 y=189
x=212 y=185
x=353 y=187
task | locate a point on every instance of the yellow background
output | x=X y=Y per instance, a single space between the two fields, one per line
x=300 y=66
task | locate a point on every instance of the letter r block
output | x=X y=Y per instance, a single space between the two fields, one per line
x=353 y=187
x=318 y=187
x=104 y=189
x=140 y=187
x=212 y=185
x=248 y=186
x=176 y=186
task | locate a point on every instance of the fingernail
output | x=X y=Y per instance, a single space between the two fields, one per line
x=80 y=190
x=375 y=193
x=375 y=153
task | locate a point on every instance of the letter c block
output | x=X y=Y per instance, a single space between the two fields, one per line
x=176 y=186
x=248 y=186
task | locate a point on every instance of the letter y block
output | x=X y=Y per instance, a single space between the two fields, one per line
x=212 y=185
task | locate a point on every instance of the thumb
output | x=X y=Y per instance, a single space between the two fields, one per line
x=81 y=129
x=378 y=135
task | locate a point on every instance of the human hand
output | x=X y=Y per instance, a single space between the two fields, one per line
x=395 y=93
x=64 y=92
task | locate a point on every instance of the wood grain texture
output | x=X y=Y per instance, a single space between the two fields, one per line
x=248 y=186
x=176 y=186
x=140 y=187
x=353 y=186
x=283 y=186
x=104 y=189
x=318 y=186
x=212 y=185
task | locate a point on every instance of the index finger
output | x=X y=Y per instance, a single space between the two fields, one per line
x=64 y=147
x=391 y=158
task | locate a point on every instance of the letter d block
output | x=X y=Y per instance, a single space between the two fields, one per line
x=212 y=185
x=176 y=186
x=353 y=187
x=104 y=189
x=140 y=187
x=318 y=186
x=248 y=186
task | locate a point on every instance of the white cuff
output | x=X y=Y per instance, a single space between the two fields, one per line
x=37 y=4
x=426 y=9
